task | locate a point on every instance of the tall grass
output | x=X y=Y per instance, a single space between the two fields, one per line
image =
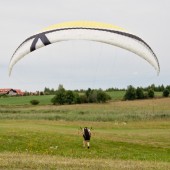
x=34 y=161
x=158 y=109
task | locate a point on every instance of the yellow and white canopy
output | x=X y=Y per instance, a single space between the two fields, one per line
x=84 y=30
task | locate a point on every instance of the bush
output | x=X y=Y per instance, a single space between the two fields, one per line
x=83 y=99
x=34 y=102
x=102 y=97
x=130 y=93
x=139 y=93
x=145 y=95
x=92 y=97
x=60 y=97
x=165 y=93
x=41 y=93
x=151 y=93
x=65 y=97
x=69 y=97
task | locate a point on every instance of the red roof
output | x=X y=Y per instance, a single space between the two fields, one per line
x=19 y=91
x=5 y=91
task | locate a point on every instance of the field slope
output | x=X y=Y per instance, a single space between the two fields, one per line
x=125 y=135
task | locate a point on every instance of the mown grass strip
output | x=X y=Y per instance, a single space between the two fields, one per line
x=35 y=161
x=62 y=138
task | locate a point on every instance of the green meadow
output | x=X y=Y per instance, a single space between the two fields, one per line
x=46 y=99
x=25 y=100
x=125 y=134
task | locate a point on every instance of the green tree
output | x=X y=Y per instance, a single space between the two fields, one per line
x=162 y=87
x=97 y=96
x=139 y=93
x=92 y=96
x=69 y=97
x=130 y=93
x=60 y=87
x=88 y=92
x=77 y=99
x=60 y=97
x=83 y=98
x=151 y=93
x=165 y=93
x=102 y=96
x=41 y=93
x=168 y=87
x=46 y=91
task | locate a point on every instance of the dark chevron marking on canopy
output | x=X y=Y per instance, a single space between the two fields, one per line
x=43 y=38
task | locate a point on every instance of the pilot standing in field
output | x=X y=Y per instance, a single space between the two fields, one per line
x=86 y=135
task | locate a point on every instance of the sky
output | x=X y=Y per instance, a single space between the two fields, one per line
x=83 y=64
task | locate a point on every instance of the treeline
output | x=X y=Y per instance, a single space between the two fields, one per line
x=52 y=91
x=159 y=88
x=63 y=96
x=133 y=93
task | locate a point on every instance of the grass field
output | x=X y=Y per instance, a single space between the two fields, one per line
x=125 y=135
x=46 y=99
x=25 y=100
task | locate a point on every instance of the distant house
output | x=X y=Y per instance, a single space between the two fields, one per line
x=11 y=92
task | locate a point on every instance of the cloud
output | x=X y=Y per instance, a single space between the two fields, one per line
x=86 y=64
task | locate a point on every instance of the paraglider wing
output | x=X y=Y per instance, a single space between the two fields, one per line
x=92 y=31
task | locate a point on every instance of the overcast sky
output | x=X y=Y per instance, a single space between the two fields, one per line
x=83 y=64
